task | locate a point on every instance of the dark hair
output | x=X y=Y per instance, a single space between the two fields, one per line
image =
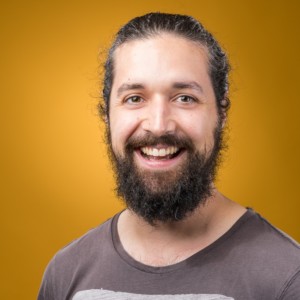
x=153 y=24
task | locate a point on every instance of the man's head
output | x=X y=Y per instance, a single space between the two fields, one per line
x=154 y=24
x=165 y=94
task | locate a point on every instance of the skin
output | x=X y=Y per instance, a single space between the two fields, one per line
x=161 y=107
x=162 y=85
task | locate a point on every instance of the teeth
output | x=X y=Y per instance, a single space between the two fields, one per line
x=159 y=152
x=162 y=152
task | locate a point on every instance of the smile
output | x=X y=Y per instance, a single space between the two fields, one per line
x=159 y=157
x=160 y=153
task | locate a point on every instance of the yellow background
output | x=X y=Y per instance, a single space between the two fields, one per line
x=55 y=179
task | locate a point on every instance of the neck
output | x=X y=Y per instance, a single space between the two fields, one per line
x=178 y=239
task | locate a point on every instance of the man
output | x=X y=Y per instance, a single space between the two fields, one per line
x=165 y=105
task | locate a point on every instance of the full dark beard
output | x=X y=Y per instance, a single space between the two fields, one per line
x=162 y=196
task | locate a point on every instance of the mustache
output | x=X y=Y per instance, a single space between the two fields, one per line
x=149 y=139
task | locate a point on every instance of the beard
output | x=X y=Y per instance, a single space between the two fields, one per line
x=166 y=195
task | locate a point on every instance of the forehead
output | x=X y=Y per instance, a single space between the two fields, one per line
x=162 y=57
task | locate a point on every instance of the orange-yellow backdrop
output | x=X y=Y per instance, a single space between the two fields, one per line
x=55 y=179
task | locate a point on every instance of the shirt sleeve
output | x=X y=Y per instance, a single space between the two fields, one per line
x=47 y=287
x=292 y=289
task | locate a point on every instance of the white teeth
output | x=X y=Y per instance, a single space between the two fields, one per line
x=162 y=152
x=159 y=152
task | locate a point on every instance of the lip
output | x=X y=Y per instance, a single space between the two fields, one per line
x=156 y=164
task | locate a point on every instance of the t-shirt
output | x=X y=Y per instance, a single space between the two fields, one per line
x=252 y=260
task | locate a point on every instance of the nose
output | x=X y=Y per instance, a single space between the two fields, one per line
x=159 y=118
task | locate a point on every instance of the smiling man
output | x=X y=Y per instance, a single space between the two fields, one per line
x=165 y=106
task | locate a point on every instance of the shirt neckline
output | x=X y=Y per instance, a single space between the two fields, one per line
x=170 y=268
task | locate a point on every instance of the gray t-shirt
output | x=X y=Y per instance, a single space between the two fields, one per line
x=253 y=260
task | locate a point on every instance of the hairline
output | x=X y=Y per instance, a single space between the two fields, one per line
x=154 y=34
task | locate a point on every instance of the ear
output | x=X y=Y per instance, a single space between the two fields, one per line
x=224 y=119
x=225 y=104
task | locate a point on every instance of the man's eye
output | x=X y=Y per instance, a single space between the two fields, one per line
x=134 y=100
x=186 y=99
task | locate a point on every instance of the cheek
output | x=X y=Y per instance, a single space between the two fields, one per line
x=122 y=127
x=200 y=128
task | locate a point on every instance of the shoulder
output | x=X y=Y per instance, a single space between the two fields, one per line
x=73 y=258
x=266 y=236
x=269 y=254
x=256 y=244
x=96 y=238
x=263 y=241
x=84 y=250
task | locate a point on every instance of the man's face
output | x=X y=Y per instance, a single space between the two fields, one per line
x=163 y=121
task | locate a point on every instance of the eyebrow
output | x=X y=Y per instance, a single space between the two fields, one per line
x=188 y=85
x=180 y=85
x=128 y=87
